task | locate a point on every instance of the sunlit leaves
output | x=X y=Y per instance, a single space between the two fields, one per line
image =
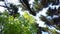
x=20 y=25
x=54 y=31
x=29 y=17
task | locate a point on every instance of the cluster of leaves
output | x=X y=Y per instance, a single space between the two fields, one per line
x=53 y=15
x=50 y=31
x=52 y=19
x=40 y=4
x=26 y=23
x=19 y=25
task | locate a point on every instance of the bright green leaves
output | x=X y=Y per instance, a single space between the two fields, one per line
x=30 y=22
x=11 y=18
x=20 y=25
x=29 y=18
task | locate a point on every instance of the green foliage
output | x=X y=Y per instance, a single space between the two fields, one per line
x=26 y=24
x=54 y=31
x=20 y=25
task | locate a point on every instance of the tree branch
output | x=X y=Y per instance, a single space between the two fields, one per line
x=4 y=6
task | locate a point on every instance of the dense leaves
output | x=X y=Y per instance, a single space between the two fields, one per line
x=12 y=22
x=21 y=25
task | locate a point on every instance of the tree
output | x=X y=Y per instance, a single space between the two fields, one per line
x=38 y=5
x=55 y=19
x=19 y=25
x=53 y=14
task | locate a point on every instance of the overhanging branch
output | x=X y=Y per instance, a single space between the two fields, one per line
x=4 y=6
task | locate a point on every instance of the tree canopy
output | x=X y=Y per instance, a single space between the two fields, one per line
x=11 y=21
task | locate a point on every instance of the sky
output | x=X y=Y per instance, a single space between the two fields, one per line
x=42 y=12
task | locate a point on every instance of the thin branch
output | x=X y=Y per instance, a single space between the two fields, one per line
x=1 y=0
x=3 y=6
